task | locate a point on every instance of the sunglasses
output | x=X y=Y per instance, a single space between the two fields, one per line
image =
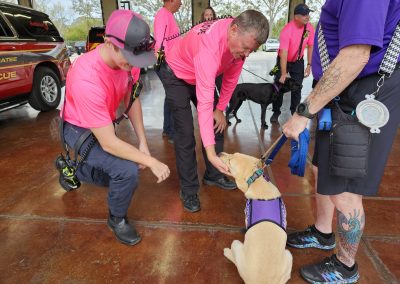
x=144 y=46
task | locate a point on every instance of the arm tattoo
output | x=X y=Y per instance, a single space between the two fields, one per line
x=349 y=231
x=328 y=80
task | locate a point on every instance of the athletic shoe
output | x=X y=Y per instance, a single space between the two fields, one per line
x=310 y=238
x=329 y=271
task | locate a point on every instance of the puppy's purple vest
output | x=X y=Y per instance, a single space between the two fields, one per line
x=257 y=211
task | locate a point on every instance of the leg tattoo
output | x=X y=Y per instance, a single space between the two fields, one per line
x=349 y=231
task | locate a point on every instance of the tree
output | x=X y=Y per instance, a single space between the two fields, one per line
x=149 y=8
x=184 y=15
x=315 y=5
x=89 y=10
x=59 y=13
x=277 y=28
x=272 y=9
x=227 y=7
x=78 y=31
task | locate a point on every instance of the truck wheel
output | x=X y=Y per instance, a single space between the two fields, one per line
x=46 y=90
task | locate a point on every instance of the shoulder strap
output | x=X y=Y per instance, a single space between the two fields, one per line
x=301 y=42
x=388 y=63
x=135 y=92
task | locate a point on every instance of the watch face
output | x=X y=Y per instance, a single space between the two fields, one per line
x=301 y=108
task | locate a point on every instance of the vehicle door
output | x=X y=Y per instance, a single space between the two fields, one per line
x=13 y=76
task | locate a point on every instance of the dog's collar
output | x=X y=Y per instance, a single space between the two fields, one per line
x=276 y=87
x=256 y=175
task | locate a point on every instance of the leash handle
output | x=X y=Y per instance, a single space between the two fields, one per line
x=273 y=150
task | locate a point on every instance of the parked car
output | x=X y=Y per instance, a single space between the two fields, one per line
x=95 y=37
x=80 y=47
x=70 y=50
x=271 y=44
x=33 y=59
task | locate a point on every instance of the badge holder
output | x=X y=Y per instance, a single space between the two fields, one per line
x=372 y=113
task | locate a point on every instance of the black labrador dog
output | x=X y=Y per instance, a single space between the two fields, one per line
x=261 y=93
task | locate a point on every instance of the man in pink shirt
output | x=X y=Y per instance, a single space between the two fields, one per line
x=294 y=38
x=165 y=26
x=196 y=59
x=96 y=84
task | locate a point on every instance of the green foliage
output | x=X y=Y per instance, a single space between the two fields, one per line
x=64 y=17
x=277 y=28
x=79 y=29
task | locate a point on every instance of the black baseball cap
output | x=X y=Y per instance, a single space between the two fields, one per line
x=302 y=9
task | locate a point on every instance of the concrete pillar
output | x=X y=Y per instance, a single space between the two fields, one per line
x=198 y=7
x=292 y=4
x=26 y=3
x=107 y=6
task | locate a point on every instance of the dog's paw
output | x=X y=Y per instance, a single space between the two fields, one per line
x=229 y=123
x=239 y=120
x=264 y=126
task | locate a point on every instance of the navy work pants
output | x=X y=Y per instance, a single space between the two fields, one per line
x=104 y=169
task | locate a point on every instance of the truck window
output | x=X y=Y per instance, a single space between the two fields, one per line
x=5 y=30
x=32 y=24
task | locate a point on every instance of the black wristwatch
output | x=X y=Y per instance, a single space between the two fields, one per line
x=302 y=109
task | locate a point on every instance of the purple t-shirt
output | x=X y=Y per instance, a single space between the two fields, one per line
x=349 y=22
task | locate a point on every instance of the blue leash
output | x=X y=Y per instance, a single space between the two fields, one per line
x=297 y=163
x=299 y=152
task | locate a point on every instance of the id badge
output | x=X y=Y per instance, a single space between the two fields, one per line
x=372 y=113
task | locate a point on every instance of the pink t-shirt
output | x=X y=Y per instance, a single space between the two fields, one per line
x=290 y=38
x=94 y=91
x=198 y=58
x=165 y=26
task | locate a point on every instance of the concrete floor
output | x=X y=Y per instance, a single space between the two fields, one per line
x=50 y=236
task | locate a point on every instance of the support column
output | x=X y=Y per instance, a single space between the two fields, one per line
x=107 y=6
x=292 y=4
x=198 y=7
x=26 y=3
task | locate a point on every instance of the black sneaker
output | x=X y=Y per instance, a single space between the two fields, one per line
x=190 y=202
x=309 y=238
x=274 y=117
x=123 y=231
x=223 y=182
x=331 y=271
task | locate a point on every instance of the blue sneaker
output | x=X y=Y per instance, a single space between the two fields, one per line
x=329 y=271
x=309 y=238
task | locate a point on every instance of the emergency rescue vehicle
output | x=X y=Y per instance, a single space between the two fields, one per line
x=33 y=59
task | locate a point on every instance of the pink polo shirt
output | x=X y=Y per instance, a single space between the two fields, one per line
x=165 y=26
x=198 y=58
x=94 y=91
x=290 y=38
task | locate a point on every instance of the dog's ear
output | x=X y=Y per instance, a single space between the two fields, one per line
x=225 y=157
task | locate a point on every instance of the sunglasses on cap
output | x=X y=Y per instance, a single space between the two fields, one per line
x=144 y=46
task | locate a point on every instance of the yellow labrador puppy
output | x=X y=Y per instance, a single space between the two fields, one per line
x=262 y=257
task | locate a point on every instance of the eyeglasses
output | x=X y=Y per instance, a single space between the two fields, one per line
x=145 y=45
